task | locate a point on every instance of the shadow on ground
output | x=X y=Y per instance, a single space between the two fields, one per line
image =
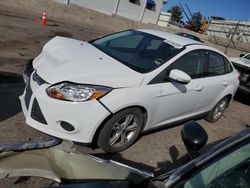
x=162 y=166
x=11 y=87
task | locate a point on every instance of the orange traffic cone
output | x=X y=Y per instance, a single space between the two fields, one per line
x=43 y=21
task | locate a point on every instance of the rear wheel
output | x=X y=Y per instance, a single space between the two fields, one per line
x=218 y=110
x=121 y=130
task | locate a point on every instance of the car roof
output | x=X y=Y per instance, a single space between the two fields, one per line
x=171 y=36
x=180 y=40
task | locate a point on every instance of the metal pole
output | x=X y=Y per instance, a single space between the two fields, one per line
x=144 y=9
x=117 y=5
x=68 y=2
x=231 y=38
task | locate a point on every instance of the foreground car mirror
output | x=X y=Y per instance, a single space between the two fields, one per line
x=179 y=76
x=241 y=55
x=194 y=138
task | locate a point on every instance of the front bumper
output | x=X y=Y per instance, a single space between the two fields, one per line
x=46 y=114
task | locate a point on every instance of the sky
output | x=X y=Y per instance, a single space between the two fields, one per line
x=229 y=9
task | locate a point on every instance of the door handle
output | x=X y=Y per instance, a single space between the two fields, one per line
x=198 y=88
x=225 y=83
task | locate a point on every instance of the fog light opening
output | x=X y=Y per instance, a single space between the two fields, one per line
x=67 y=126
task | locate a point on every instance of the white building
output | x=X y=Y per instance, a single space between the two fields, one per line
x=146 y=11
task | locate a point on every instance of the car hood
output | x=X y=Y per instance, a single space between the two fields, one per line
x=59 y=161
x=241 y=61
x=64 y=59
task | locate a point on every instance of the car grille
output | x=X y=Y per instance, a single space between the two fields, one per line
x=38 y=79
x=36 y=113
x=28 y=94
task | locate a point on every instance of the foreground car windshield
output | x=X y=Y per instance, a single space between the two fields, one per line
x=247 y=57
x=140 y=51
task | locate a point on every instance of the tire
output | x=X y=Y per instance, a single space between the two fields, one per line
x=121 y=130
x=216 y=113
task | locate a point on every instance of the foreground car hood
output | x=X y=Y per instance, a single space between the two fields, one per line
x=241 y=61
x=58 y=161
x=64 y=59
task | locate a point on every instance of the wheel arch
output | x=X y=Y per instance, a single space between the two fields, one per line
x=230 y=98
x=145 y=118
x=229 y=93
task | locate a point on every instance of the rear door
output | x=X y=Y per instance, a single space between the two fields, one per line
x=219 y=78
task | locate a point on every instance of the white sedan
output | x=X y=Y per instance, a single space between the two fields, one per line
x=111 y=89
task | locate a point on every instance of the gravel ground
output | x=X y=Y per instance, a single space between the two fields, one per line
x=22 y=38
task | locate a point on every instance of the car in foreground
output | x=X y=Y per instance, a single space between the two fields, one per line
x=190 y=36
x=242 y=64
x=226 y=165
x=111 y=89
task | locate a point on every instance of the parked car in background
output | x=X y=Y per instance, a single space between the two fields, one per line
x=242 y=64
x=113 y=88
x=190 y=36
x=226 y=165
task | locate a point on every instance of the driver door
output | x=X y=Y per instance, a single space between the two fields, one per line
x=178 y=101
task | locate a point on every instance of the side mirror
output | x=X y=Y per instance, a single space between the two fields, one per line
x=179 y=76
x=241 y=55
x=194 y=138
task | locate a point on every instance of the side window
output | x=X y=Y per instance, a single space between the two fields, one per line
x=228 y=67
x=215 y=64
x=151 y=5
x=197 y=39
x=137 y=2
x=191 y=63
x=190 y=37
x=126 y=42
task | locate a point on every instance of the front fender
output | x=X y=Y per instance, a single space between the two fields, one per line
x=145 y=97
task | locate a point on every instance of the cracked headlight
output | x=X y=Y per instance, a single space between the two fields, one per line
x=76 y=92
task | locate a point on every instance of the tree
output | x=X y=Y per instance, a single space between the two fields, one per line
x=176 y=13
x=195 y=21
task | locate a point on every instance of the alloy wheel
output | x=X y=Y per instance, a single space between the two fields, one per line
x=220 y=108
x=123 y=130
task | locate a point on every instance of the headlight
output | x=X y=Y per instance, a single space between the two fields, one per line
x=76 y=92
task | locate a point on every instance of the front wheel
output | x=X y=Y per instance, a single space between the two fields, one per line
x=121 y=130
x=216 y=113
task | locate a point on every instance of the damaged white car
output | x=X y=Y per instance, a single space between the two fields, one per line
x=242 y=64
x=111 y=89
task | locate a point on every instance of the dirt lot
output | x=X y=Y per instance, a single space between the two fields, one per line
x=22 y=38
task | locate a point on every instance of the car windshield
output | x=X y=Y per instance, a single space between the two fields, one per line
x=247 y=56
x=138 y=50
